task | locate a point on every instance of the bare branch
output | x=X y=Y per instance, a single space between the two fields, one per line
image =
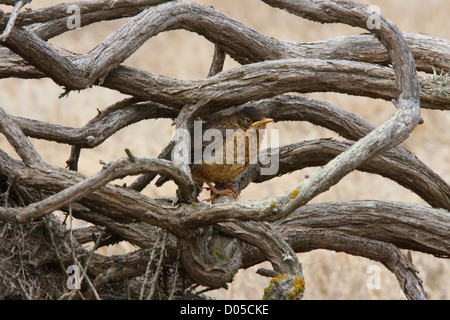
x=18 y=140
x=12 y=19
x=214 y=241
x=406 y=225
x=108 y=200
x=305 y=239
x=66 y=196
x=356 y=48
x=257 y=81
x=218 y=61
x=96 y=65
x=398 y=164
x=276 y=250
x=384 y=137
x=98 y=129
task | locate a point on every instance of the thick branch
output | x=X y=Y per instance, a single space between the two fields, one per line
x=83 y=71
x=120 y=204
x=364 y=48
x=395 y=164
x=307 y=239
x=384 y=137
x=268 y=79
x=406 y=225
x=273 y=247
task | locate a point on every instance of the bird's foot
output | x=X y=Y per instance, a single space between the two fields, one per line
x=230 y=187
x=228 y=191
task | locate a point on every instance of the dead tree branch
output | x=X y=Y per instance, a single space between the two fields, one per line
x=214 y=241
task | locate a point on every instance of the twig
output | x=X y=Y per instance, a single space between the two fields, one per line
x=130 y=155
x=18 y=140
x=175 y=276
x=158 y=267
x=72 y=162
x=217 y=62
x=55 y=248
x=72 y=253
x=96 y=245
x=147 y=270
x=75 y=259
x=267 y=272
x=12 y=19
x=8 y=190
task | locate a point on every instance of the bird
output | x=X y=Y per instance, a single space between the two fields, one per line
x=221 y=168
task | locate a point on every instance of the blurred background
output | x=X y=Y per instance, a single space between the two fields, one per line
x=184 y=55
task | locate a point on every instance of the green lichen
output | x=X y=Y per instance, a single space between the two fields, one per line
x=216 y=255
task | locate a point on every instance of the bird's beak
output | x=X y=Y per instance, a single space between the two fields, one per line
x=257 y=124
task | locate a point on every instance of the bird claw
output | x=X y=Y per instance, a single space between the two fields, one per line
x=228 y=191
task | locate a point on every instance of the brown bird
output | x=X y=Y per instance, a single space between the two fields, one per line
x=227 y=155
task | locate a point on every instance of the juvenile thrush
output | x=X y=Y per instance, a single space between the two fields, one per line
x=235 y=157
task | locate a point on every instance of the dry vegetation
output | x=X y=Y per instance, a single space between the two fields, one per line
x=182 y=55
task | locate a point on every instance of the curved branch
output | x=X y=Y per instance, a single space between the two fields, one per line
x=406 y=225
x=396 y=165
x=18 y=140
x=303 y=239
x=363 y=48
x=356 y=15
x=112 y=171
x=82 y=71
x=52 y=21
x=101 y=127
x=272 y=246
x=386 y=136
x=120 y=204
x=267 y=79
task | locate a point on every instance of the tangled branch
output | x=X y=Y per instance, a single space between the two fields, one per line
x=380 y=65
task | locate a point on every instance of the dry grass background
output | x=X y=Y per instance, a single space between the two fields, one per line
x=183 y=55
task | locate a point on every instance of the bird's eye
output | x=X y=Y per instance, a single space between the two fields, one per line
x=248 y=121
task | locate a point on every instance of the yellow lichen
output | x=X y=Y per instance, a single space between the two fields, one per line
x=273 y=204
x=299 y=284
x=294 y=193
x=271 y=284
x=194 y=204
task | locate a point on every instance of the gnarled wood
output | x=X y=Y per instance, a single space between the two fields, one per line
x=217 y=240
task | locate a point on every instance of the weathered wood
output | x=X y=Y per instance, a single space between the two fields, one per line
x=217 y=240
x=84 y=70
